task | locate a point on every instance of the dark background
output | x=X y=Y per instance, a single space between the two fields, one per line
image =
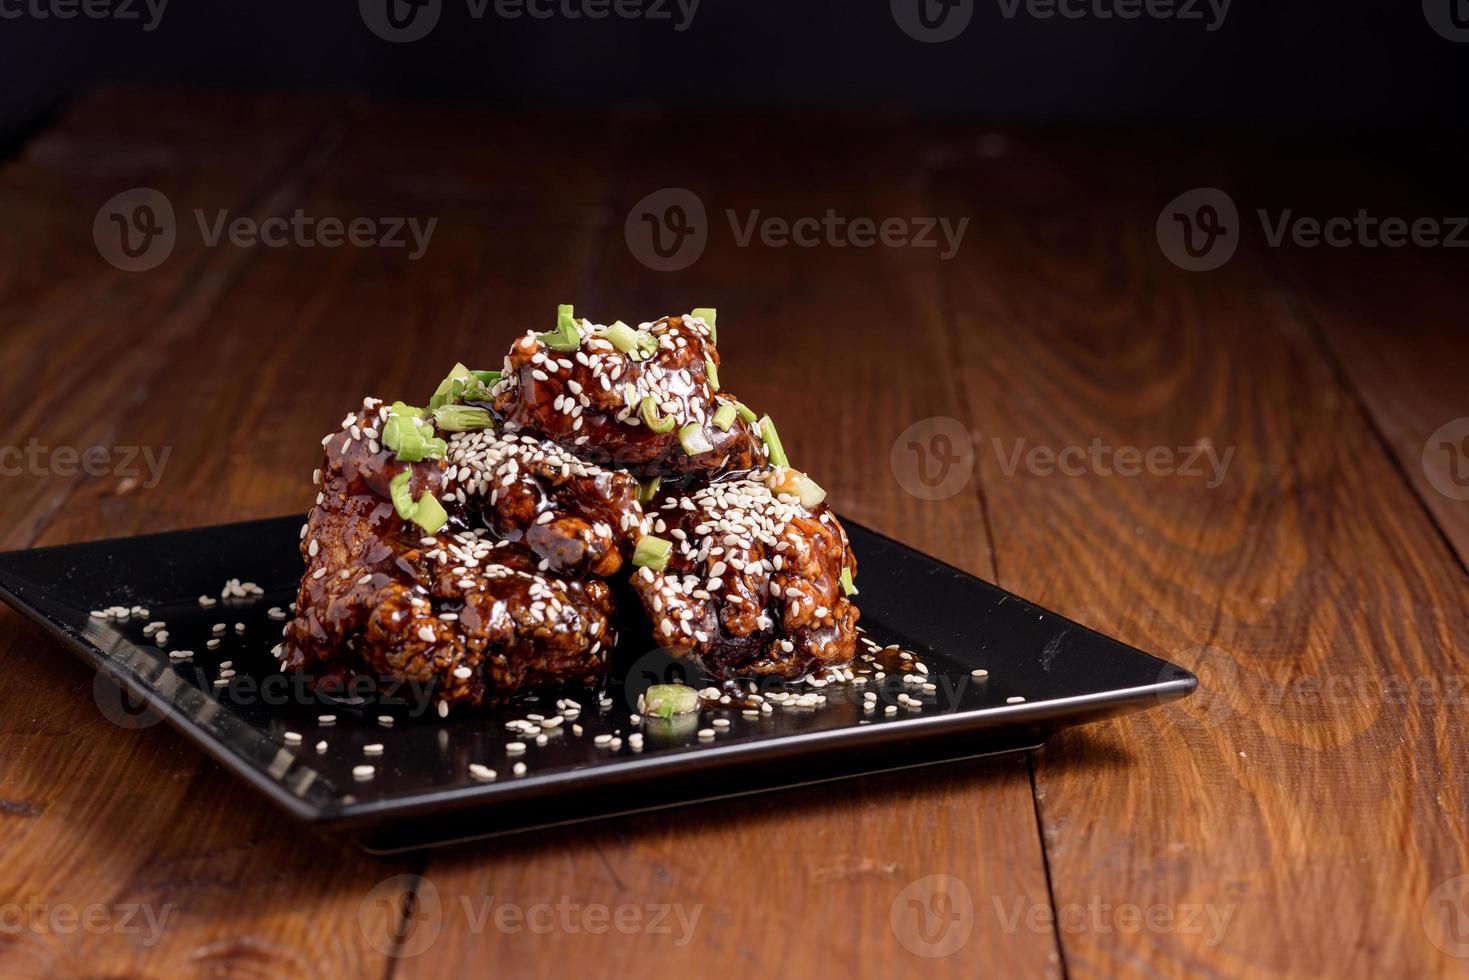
x=1373 y=65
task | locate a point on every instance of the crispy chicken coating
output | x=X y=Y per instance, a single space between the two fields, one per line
x=752 y=585
x=478 y=618
x=579 y=518
x=598 y=401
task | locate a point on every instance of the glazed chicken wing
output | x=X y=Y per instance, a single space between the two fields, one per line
x=477 y=618
x=645 y=400
x=753 y=582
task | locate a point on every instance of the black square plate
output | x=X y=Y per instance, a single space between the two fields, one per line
x=1066 y=674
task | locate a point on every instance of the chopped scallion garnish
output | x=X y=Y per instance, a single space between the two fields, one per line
x=451 y=387
x=667 y=700
x=565 y=337
x=462 y=418
x=651 y=418
x=711 y=371
x=652 y=552
x=745 y=412
x=724 y=416
x=647 y=488
x=410 y=437
x=693 y=439
x=427 y=512
x=810 y=492
x=623 y=337
x=402 y=496
x=709 y=314
x=846 y=581
x=773 y=448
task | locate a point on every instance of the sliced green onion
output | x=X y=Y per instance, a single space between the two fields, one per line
x=652 y=552
x=402 y=496
x=712 y=372
x=647 y=488
x=411 y=439
x=565 y=337
x=709 y=315
x=724 y=416
x=667 y=700
x=487 y=378
x=427 y=512
x=462 y=418
x=647 y=345
x=744 y=411
x=450 y=388
x=773 y=447
x=623 y=337
x=693 y=439
x=846 y=581
x=651 y=418
x=810 y=492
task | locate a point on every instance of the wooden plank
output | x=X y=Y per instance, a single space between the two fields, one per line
x=70 y=315
x=193 y=874
x=298 y=338
x=808 y=882
x=1394 y=321
x=1303 y=799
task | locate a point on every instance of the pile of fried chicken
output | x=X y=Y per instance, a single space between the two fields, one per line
x=473 y=543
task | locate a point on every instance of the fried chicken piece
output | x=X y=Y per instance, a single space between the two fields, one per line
x=629 y=410
x=581 y=519
x=752 y=584
x=476 y=618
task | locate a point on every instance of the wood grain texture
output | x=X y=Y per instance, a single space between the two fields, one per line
x=1310 y=796
x=1307 y=800
x=804 y=882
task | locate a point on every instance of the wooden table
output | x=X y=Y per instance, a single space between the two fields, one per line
x=1304 y=815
